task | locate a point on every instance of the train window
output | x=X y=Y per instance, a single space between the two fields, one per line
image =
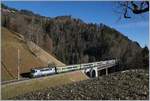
x=87 y=64
x=45 y=69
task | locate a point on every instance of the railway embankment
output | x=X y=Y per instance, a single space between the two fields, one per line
x=126 y=85
x=35 y=84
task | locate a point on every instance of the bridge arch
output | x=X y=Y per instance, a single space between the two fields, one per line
x=91 y=72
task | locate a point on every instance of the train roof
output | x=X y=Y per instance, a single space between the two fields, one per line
x=41 y=68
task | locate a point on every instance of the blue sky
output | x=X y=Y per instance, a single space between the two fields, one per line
x=136 y=28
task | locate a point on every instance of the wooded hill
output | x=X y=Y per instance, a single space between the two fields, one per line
x=73 y=41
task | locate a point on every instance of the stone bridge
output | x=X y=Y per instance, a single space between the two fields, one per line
x=98 y=66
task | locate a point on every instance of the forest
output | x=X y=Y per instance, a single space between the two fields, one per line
x=73 y=41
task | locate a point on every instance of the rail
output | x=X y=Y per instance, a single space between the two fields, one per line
x=100 y=65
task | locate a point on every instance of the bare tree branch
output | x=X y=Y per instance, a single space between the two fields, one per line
x=125 y=13
x=136 y=7
x=138 y=10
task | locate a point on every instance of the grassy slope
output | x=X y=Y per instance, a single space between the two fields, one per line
x=127 y=85
x=44 y=82
x=10 y=43
x=5 y=74
x=43 y=55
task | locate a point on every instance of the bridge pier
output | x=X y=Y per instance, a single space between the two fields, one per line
x=93 y=72
x=106 y=71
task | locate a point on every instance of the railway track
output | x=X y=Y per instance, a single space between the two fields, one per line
x=10 y=82
x=100 y=67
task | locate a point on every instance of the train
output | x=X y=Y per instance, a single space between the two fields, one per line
x=49 y=70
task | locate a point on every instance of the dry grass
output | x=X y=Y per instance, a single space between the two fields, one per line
x=43 y=55
x=40 y=83
x=128 y=85
x=10 y=43
x=5 y=74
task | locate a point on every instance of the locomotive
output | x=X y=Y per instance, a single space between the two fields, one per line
x=38 y=72
x=42 y=71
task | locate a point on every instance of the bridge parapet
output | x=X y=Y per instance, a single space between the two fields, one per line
x=97 y=66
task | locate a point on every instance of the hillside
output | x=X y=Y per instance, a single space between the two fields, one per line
x=65 y=40
x=23 y=87
x=43 y=55
x=12 y=41
x=31 y=56
x=72 y=40
x=127 y=85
